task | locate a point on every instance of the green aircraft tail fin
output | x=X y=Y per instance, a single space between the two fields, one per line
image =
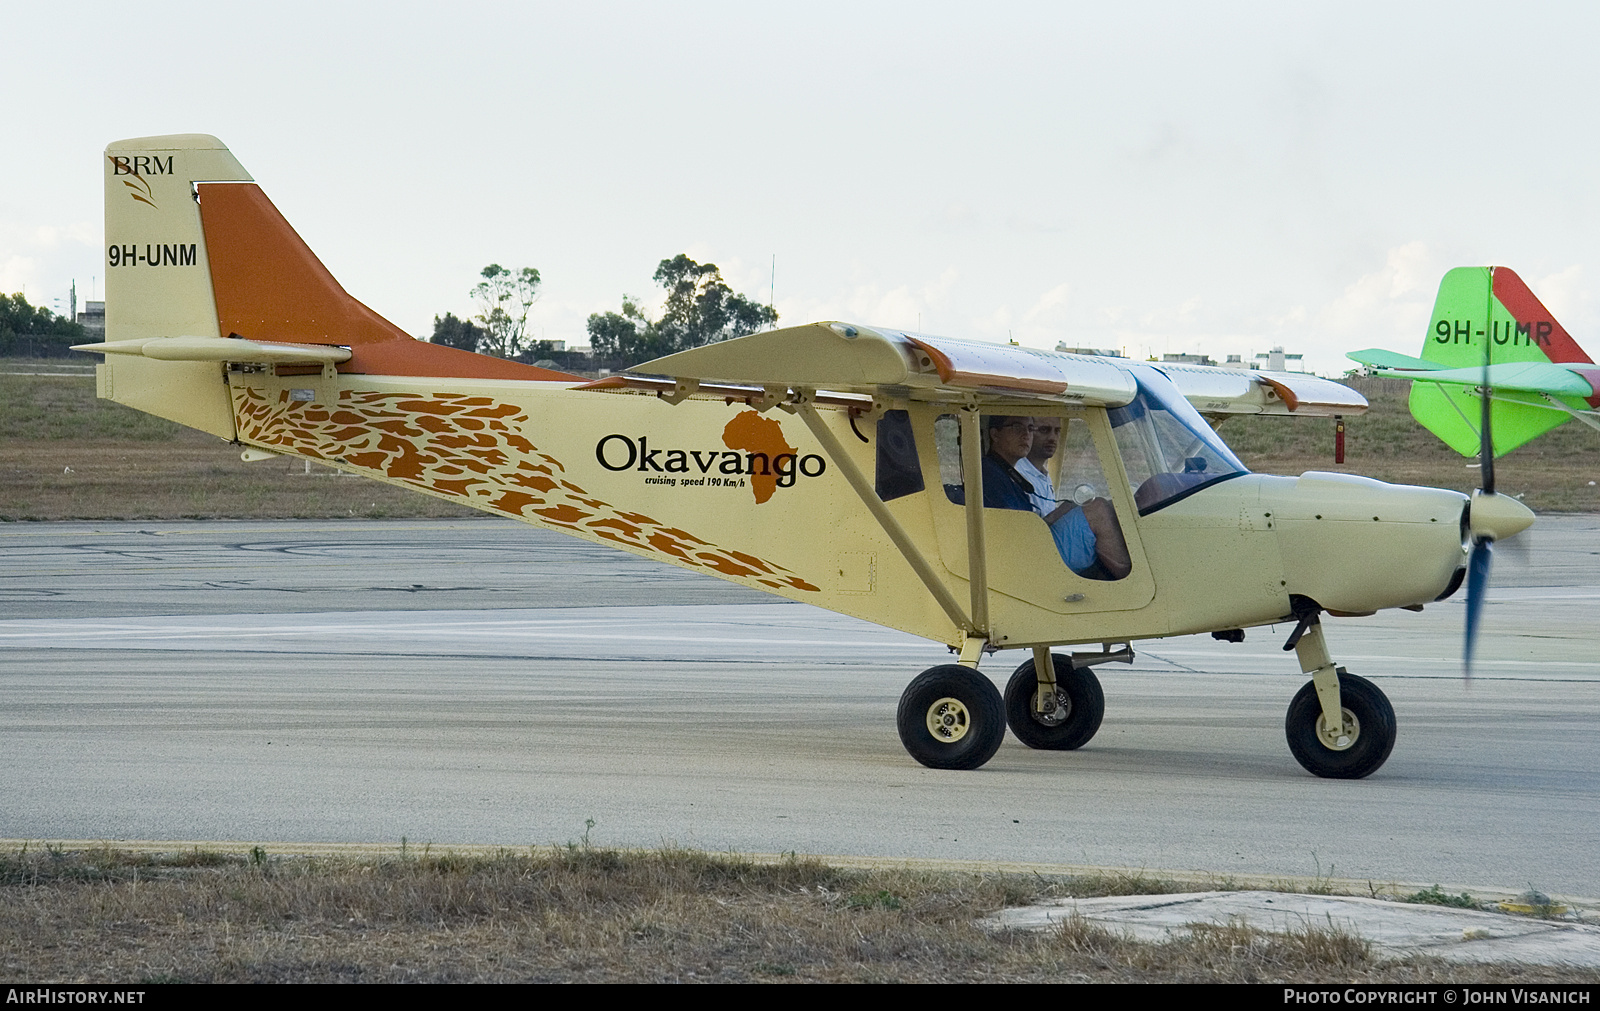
x=1490 y=308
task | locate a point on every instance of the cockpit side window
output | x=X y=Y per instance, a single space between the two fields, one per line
x=1080 y=476
x=1168 y=449
x=898 y=472
x=947 y=440
x=1048 y=468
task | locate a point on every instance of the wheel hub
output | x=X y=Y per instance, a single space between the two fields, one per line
x=1344 y=737
x=1057 y=716
x=948 y=720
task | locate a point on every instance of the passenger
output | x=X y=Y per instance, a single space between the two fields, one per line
x=1035 y=466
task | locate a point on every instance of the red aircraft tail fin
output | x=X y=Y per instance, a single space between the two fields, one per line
x=270 y=286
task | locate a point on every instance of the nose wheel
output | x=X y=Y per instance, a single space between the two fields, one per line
x=1358 y=746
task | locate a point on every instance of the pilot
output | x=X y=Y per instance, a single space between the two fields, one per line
x=1010 y=438
x=1088 y=537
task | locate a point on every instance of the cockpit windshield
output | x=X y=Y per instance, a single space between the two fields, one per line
x=1168 y=449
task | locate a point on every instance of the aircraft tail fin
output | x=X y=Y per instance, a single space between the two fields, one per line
x=196 y=249
x=1489 y=307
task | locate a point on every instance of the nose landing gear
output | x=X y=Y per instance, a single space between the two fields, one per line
x=1358 y=747
x=1339 y=726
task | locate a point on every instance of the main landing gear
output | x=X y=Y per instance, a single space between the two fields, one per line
x=952 y=717
x=1339 y=726
x=1058 y=712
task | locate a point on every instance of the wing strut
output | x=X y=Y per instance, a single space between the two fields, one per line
x=886 y=519
x=977 y=553
x=1587 y=417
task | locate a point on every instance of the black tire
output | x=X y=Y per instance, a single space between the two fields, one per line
x=1077 y=693
x=966 y=707
x=1374 y=717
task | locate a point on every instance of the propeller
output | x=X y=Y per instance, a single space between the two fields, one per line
x=1482 y=556
x=1490 y=517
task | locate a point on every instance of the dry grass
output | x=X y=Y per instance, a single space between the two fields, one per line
x=193 y=476
x=579 y=914
x=66 y=455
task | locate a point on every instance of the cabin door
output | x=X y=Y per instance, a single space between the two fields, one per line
x=1070 y=566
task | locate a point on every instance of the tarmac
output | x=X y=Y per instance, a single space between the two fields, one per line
x=481 y=683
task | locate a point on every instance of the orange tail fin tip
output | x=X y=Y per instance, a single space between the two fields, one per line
x=270 y=286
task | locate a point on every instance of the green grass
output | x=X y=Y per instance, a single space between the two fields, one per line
x=1435 y=896
x=66 y=455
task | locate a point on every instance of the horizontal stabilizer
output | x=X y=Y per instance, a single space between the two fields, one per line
x=1529 y=377
x=1379 y=358
x=221 y=349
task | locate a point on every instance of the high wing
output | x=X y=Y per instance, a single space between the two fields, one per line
x=1489 y=331
x=850 y=363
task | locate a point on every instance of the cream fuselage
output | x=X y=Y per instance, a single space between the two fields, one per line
x=752 y=497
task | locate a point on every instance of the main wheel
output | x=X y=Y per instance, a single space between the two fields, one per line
x=1080 y=705
x=951 y=717
x=1357 y=749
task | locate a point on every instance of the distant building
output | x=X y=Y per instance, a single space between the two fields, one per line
x=93 y=319
x=1276 y=361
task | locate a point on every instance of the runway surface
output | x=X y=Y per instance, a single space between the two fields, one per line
x=484 y=682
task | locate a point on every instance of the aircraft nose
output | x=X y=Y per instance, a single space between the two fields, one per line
x=1497 y=516
x=1354 y=544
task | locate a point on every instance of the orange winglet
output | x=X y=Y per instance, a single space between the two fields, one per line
x=970 y=369
x=941 y=361
x=1285 y=394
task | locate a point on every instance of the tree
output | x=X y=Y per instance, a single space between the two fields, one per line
x=456 y=333
x=700 y=309
x=505 y=298
x=34 y=330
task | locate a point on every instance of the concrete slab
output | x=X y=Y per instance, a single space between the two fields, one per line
x=1394 y=928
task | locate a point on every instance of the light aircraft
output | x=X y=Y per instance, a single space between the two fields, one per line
x=1497 y=371
x=843 y=465
x=1489 y=332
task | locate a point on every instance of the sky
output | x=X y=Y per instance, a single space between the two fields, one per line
x=1151 y=177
